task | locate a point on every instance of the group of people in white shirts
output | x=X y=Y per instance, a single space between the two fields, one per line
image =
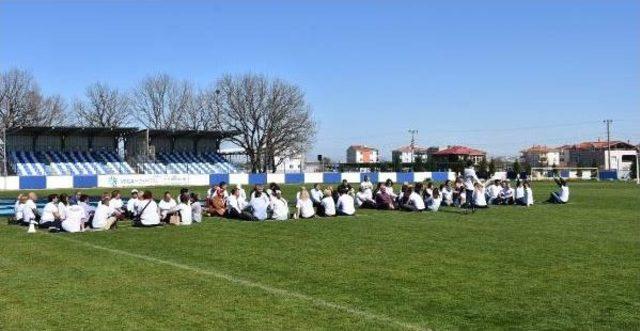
x=76 y=214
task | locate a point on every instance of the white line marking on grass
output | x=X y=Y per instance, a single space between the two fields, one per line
x=264 y=287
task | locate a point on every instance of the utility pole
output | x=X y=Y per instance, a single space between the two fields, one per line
x=413 y=133
x=608 y=123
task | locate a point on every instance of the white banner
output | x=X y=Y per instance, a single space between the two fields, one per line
x=144 y=180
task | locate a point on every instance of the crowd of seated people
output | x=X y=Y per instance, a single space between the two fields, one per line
x=76 y=213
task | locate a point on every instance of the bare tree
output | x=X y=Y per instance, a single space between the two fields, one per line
x=272 y=117
x=22 y=102
x=204 y=112
x=103 y=106
x=162 y=102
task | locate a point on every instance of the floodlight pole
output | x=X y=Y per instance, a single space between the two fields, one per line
x=637 y=166
x=608 y=123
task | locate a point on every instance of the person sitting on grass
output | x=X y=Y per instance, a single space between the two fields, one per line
x=506 y=194
x=217 y=205
x=63 y=203
x=414 y=202
x=50 y=212
x=196 y=207
x=478 y=198
x=518 y=197
x=316 y=195
x=562 y=195
x=279 y=206
x=132 y=203
x=346 y=205
x=327 y=206
x=28 y=213
x=366 y=183
x=236 y=208
x=148 y=213
x=403 y=197
x=346 y=186
x=364 y=198
x=493 y=192
x=434 y=201
x=389 y=188
x=75 y=219
x=384 y=200
x=304 y=206
x=447 y=193
x=104 y=217
x=184 y=210
x=427 y=191
x=528 y=194
x=259 y=207
x=167 y=207
x=116 y=202
x=89 y=210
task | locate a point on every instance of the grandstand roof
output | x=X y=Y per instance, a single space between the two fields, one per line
x=69 y=131
x=217 y=134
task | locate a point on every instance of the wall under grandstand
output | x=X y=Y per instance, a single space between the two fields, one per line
x=143 y=180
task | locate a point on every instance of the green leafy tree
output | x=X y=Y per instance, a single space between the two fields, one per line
x=483 y=169
x=491 y=167
x=397 y=164
x=516 y=167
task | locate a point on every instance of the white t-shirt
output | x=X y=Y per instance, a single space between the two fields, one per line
x=62 y=210
x=433 y=204
x=196 y=211
x=363 y=196
x=493 y=191
x=234 y=203
x=447 y=194
x=17 y=210
x=367 y=185
x=346 y=204
x=564 y=193
x=75 y=217
x=186 y=216
x=528 y=194
x=306 y=208
x=416 y=200
x=47 y=212
x=88 y=209
x=316 y=195
x=242 y=194
x=28 y=214
x=506 y=193
x=280 y=209
x=101 y=215
x=259 y=208
x=116 y=203
x=519 y=192
x=478 y=197
x=31 y=204
x=470 y=177
x=132 y=205
x=329 y=206
x=149 y=216
x=167 y=206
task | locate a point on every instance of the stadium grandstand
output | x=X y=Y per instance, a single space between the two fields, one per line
x=53 y=151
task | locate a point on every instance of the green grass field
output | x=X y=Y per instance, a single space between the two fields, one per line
x=575 y=266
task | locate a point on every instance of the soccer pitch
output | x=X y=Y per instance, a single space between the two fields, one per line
x=573 y=266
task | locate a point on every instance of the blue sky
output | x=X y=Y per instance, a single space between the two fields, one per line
x=495 y=75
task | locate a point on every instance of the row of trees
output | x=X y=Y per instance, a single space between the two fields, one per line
x=272 y=117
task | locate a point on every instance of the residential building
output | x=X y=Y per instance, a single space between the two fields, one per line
x=541 y=156
x=362 y=154
x=408 y=154
x=596 y=153
x=454 y=156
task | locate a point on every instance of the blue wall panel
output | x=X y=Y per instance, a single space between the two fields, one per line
x=294 y=178
x=402 y=177
x=257 y=179
x=331 y=177
x=85 y=181
x=33 y=182
x=373 y=176
x=215 y=179
x=608 y=174
x=564 y=173
x=439 y=176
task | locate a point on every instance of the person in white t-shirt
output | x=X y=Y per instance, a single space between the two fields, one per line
x=17 y=208
x=63 y=203
x=132 y=204
x=364 y=198
x=316 y=194
x=75 y=219
x=562 y=195
x=469 y=176
x=447 y=193
x=167 y=207
x=148 y=212
x=50 y=212
x=414 y=201
x=366 y=183
x=116 y=201
x=327 y=205
x=346 y=204
x=235 y=206
x=242 y=194
x=506 y=194
x=304 y=206
x=196 y=207
x=104 y=218
x=28 y=213
x=519 y=194
x=434 y=201
x=493 y=192
x=528 y=194
x=259 y=207
x=478 y=200
x=279 y=206
x=184 y=209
